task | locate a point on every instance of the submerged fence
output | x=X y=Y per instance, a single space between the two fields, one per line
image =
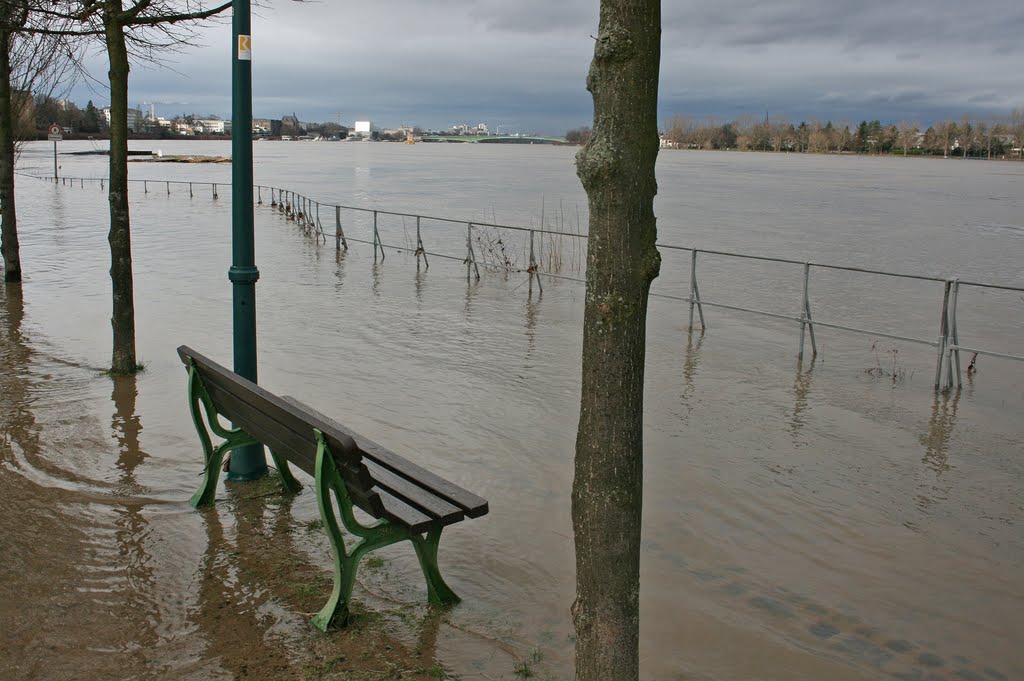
x=306 y=213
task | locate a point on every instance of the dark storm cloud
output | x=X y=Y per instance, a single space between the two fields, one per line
x=848 y=25
x=437 y=62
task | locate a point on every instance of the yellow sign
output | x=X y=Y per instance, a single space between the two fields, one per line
x=245 y=48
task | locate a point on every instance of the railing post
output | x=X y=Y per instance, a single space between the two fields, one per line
x=168 y=189
x=339 y=234
x=215 y=190
x=805 y=317
x=943 y=331
x=190 y=194
x=810 y=320
x=954 y=346
x=376 y=239
x=533 y=269
x=693 y=278
x=419 y=247
x=470 y=255
x=695 y=292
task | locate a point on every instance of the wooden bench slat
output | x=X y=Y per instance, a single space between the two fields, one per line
x=283 y=412
x=471 y=504
x=298 y=449
x=301 y=445
x=415 y=496
x=301 y=452
x=250 y=405
x=397 y=510
x=418 y=507
x=409 y=491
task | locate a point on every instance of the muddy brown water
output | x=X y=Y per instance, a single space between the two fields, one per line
x=814 y=523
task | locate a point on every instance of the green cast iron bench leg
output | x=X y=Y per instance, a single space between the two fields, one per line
x=233 y=439
x=438 y=591
x=380 y=534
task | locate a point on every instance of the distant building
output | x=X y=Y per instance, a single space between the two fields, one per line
x=209 y=126
x=363 y=129
x=135 y=118
x=261 y=126
x=290 y=125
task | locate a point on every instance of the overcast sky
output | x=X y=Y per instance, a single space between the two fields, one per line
x=522 y=64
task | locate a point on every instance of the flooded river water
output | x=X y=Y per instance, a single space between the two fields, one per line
x=819 y=523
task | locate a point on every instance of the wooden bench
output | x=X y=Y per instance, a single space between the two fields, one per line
x=408 y=502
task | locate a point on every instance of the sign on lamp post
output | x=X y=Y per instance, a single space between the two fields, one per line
x=247 y=463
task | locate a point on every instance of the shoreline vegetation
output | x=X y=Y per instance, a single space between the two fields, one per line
x=969 y=137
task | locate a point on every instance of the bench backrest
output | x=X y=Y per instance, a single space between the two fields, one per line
x=284 y=426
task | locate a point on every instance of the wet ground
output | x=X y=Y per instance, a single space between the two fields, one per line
x=823 y=522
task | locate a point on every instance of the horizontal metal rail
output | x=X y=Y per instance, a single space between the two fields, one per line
x=578 y=235
x=304 y=210
x=989 y=353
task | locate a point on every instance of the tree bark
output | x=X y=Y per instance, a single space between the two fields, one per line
x=616 y=168
x=9 y=216
x=123 y=318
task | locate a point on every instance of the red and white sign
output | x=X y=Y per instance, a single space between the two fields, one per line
x=55 y=133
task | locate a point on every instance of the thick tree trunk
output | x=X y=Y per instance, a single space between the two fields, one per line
x=617 y=170
x=9 y=216
x=123 y=318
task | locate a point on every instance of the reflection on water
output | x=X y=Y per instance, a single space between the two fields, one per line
x=126 y=426
x=378 y=271
x=471 y=293
x=16 y=419
x=132 y=531
x=339 y=269
x=690 y=364
x=228 y=611
x=941 y=427
x=801 y=390
x=419 y=282
x=531 y=309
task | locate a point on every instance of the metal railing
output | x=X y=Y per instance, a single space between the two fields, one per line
x=306 y=212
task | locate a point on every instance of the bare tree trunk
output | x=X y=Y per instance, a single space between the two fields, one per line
x=123 y=318
x=9 y=230
x=617 y=170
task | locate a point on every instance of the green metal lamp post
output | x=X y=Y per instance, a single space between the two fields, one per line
x=247 y=463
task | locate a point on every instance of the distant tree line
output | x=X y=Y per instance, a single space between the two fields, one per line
x=966 y=137
x=47 y=110
x=578 y=135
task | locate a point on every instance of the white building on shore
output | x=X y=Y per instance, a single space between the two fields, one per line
x=134 y=118
x=363 y=129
